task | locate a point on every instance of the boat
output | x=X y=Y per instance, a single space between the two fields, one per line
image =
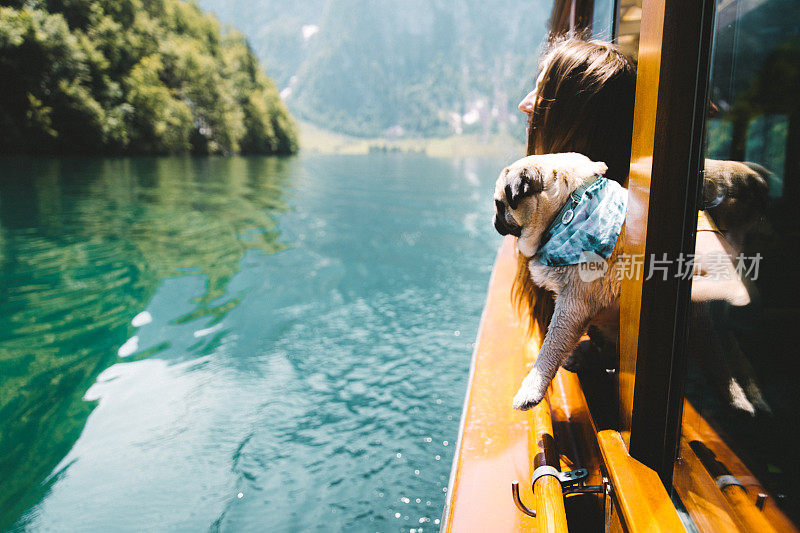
x=637 y=447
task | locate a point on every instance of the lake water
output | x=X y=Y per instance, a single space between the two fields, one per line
x=237 y=344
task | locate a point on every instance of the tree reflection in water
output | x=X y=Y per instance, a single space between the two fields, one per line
x=84 y=244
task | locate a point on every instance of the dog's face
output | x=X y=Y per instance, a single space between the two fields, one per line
x=529 y=193
x=737 y=193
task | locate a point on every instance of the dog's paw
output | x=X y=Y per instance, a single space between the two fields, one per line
x=747 y=399
x=738 y=398
x=533 y=389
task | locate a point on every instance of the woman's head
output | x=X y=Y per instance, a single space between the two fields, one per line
x=583 y=102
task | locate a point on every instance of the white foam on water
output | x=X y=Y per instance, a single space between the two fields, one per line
x=129 y=348
x=141 y=319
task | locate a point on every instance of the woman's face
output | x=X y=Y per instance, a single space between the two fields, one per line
x=529 y=102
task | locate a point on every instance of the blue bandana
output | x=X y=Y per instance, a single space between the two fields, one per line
x=589 y=222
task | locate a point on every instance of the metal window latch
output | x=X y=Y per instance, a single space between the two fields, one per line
x=571 y=483
x=726 y=480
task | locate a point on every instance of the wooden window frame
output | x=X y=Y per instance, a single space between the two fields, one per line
x=664 y=187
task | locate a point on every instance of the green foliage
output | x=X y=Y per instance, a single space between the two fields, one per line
x=162 y=123
x=132 y=76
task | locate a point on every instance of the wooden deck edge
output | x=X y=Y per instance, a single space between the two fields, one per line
x=695 y=427
x=640 y=497
x=497 y=444
x=454 y=467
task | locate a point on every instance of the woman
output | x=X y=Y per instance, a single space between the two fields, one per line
x=583 y=102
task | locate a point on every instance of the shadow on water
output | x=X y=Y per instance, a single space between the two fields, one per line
x=84 y=245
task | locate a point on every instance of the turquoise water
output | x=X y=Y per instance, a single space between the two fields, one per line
x=236 y=344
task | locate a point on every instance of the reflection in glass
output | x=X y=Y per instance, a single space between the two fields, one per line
x=82 y=244
x=742 y=399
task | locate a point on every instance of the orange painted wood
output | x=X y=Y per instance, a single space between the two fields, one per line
x=576 y=439
x=548 y=496
x=573 y=426
x=494 y=442
x=746 y=514
x=695 y=427
x=549 y=501
x=643 y=502
x=638 y=185
x=700 y=495
x=662 y=184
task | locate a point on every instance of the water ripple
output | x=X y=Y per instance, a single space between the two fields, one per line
x=297 y=335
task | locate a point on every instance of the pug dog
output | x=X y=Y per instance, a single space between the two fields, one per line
x=532 y=193
x=736 y=195
x=529 y=195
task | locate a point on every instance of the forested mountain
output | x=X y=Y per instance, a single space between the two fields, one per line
x=132 y=76
x=396 y=68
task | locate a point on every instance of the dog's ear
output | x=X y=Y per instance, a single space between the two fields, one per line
x=525 y=182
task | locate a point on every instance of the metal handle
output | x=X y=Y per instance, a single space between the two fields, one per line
x=569 y=486
x=521 y=506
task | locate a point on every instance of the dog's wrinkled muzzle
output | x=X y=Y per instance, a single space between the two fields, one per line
x=501 y=224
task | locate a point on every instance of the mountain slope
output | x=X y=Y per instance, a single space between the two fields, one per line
x=408 y=68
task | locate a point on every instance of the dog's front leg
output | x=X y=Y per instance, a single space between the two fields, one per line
x=569 y=321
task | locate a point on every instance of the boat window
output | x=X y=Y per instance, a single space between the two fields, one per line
x=603 y=18
x=742 y=400
x=628 y=24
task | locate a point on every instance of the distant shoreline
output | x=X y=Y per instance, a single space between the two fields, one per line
x=317 y=141
x=314 y=140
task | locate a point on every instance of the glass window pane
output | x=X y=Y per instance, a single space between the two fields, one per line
x=742 y=397
x=630 y=20
x=603 y=20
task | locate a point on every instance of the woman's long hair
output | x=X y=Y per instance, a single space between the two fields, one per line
x=584 y=104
